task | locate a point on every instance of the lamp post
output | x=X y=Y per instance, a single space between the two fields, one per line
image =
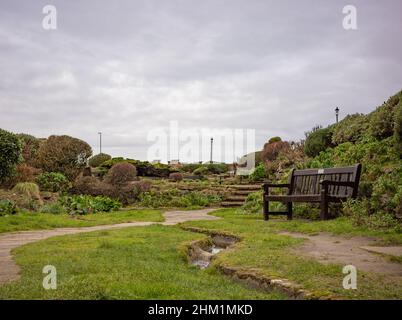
x=337 y=114
x=100 y=142
x=212 y=142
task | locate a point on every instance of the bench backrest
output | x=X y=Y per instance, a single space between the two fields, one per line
x=307 y=181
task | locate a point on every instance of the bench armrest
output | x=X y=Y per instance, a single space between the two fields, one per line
x=337 y=183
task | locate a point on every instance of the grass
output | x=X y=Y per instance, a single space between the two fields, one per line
x=263 y=249
x=36 y=221
x=149 y=263
x=130 y=263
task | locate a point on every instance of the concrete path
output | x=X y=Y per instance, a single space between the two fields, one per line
x=357 y=251
x=9 y=270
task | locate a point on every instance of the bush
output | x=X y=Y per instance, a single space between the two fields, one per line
x=272 y=149
x=274 y=139
x=121 y=173
x=30 y=148
x=7 y=207
x=84 y=204
x=398 y=129
x=317 y=140
x=351 y=129
x=176 y=176
x=64 y=154
x=253 y=203
x=211 y=168
x=53 y=208
x=144 y=168
x=53 y=182
x=98 y=159
x=10 y=154
x=382 y=123
x=258 y=174
x=201 y=171
x=191 y=167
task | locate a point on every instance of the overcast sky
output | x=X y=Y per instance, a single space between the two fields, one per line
x=127 y=67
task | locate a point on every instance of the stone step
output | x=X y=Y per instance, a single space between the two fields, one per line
x=243 y=192
x=247 y=187
x=236 y=198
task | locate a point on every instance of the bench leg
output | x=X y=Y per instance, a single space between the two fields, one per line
x=290 y=210
x=324 y=206
x=266 y=210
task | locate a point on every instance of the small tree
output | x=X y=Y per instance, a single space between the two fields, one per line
x=10 y=153
x=30 y=148
x=64 y=154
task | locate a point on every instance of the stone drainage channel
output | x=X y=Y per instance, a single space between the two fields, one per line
x=200 y=253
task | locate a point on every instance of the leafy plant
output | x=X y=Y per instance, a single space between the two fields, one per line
x=7 y=207
x=53 y=182
x=84 y=204
x=258 y=174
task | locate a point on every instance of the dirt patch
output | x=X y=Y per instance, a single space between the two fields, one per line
x=328 y=249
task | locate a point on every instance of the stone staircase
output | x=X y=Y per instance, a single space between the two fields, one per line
x=239 y=194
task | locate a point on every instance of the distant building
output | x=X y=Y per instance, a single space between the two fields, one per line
x=156 y=161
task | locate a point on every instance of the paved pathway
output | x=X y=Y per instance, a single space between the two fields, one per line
x=9 y=270
x=357 y=251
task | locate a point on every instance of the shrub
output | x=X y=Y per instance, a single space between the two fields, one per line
x=53 y=182
x=272 y=149
x=7 y=207
x=253 y=203
x=30 y=148
x=10 y=154
x=382 y=123
x=201 y=171
x=398 y=129
x=22 y=173
x=176 y=176
x=350 y=129
x=84 y=204
x=317 y=140
x=64 y=154
x=121 y=173
x=274 y=139
x=191 y=167
x=86 y=185
x=98 y=159
x=144 y=168
x=258 y=174
x=53 y=208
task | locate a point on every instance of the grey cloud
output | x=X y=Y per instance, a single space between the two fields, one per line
x=127 y=67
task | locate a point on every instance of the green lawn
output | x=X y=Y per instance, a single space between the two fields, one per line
x=35 y=221
x=262 y=248
x=130 y=263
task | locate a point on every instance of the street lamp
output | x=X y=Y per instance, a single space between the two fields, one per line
x=337 y=114
x=100 y=142
x=212 y=142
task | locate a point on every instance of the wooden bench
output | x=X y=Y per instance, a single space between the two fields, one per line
x=315 y=185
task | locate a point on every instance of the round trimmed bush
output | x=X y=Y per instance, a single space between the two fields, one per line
x=10 y=154
x=121 y=173
x=98 y=159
